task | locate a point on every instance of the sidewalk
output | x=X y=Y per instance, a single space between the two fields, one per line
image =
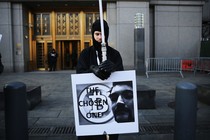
x=53 y=118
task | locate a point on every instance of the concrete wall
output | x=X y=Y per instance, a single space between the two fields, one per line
x=177 y=30
x=151 y=32
x=172 y=28
x=121 y=20
x=18 y=37
x=14 y=47
x=6 y=45
x=112 y=21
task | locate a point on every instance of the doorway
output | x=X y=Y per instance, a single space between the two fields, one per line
x=42 y=50
x=67 y=54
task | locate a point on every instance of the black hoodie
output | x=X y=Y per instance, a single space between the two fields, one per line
x=88 y=56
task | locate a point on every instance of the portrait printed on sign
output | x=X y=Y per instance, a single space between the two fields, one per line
x=109 y=105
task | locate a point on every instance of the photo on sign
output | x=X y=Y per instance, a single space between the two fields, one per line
x=107 y=102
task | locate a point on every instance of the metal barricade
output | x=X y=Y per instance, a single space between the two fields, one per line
x=202 y=64
x=188 y=64
x=163 y=65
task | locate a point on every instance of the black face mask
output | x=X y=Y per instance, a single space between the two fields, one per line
x=97 y=27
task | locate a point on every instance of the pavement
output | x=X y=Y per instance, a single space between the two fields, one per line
x=53 y=118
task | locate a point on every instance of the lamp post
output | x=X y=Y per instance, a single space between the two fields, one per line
x=139 y=43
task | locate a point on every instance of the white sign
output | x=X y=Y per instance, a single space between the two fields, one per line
x=108 y=106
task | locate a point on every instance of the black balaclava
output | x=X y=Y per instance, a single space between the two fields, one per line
x=97 y=27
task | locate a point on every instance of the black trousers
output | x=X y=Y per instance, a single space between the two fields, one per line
x=98 y=137
x=52 y=66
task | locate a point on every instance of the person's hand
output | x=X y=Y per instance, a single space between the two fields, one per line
x=107 y=66
x=99 y=72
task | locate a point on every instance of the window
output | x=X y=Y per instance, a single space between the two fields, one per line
x=42 y=24
x=90 y=18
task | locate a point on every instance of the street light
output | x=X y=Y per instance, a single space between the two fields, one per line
x=139 y=43
x=139 y=20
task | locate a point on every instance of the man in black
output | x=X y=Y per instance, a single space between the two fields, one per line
x=90 y=61
x=52 y=59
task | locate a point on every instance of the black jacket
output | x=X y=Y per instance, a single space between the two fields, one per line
x=88 y=57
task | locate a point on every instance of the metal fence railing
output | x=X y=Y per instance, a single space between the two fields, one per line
x=177 y=65
x=188 y=64
x=163 y=65
x=202 y=64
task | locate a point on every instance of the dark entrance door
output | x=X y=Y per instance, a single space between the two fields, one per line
x=68 y=52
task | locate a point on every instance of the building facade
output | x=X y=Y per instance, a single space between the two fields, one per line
x=30 y=29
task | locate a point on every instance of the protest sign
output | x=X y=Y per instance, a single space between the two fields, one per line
x=108 y=106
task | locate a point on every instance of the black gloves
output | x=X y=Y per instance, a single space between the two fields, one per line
x=107 y=66
x=104 y=70
x=100 y=73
